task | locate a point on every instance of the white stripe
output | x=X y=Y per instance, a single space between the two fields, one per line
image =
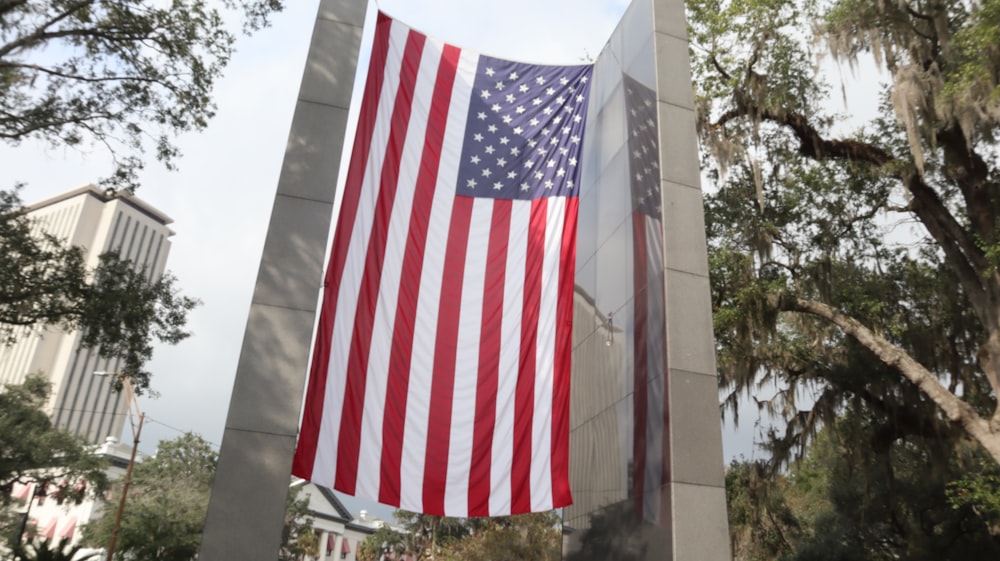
x=510 y=349
x=463 y=413
x=425 y=324
x=541 y=438
x=325 y=464
x=369 y=461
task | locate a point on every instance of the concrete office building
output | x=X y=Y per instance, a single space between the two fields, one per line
x=338 y=533
x=97 y=222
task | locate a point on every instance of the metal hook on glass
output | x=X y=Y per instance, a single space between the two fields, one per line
x=609 y=336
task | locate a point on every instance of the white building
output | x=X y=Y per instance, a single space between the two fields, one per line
x=338 y=531
x=53 y=518
x=97 y=222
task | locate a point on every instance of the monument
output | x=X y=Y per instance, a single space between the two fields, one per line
x=646 y=466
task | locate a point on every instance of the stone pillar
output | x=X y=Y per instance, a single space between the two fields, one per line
x=337 y=544
x=646 y=462
x=245 y=513
x=696 y=489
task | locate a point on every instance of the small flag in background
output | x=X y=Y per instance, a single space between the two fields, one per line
x=441 y=370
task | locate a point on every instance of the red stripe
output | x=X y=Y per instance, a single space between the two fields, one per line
x=561 y=495
x=413 y=259
x=305 y=455
x=489 y=360
x=524 y=394
x=349 y=443
x=641 y=372
x=445 y=347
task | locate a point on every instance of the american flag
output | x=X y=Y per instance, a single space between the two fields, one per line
x=440 y=375
x=650 y=444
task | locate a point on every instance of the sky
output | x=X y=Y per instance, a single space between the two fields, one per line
x=221 y=196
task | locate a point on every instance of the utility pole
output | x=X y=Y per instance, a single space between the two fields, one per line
x=133 y=412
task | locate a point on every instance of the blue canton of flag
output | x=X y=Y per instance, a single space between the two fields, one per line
x=524 y=132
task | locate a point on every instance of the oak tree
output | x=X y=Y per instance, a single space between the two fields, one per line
x=166 y=506
x=32 y=449
x=828 y=230
x=126 y=76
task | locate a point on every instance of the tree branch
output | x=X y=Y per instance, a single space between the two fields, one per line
x=969 y=171
x=719 y=68
x=39 y=33
x=918 y=15
x=954 y=409
x=8 y=6
x=961 y=250
x=43 y=124
x=160 y=81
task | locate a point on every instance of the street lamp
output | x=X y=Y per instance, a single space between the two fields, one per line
x=133 y=412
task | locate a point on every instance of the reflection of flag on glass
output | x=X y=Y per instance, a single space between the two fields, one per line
x=650 y=445
x=440 y=377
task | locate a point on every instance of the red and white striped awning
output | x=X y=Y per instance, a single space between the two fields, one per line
x=68 y=528
x=49 y=531
x=21 y=491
